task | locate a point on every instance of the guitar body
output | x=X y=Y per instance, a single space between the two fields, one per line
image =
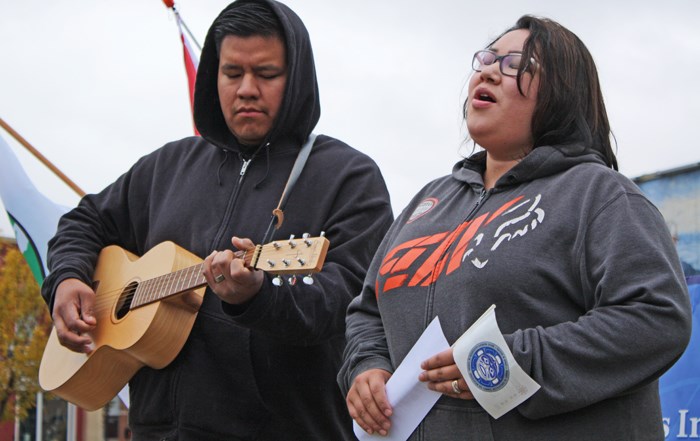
x=124 y=340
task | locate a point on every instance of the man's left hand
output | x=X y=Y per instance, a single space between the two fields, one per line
x=229 y=277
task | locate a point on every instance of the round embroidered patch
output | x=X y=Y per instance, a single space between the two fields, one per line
x=488 y=367
x=423 y=208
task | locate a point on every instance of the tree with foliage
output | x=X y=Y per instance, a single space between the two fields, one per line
x=24 y=327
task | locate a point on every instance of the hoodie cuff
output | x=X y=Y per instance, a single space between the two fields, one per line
x=251 y=311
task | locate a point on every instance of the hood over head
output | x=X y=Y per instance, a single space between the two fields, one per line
x=300 y=109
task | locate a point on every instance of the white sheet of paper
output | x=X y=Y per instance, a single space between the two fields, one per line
x=410 y=399
x=497 y=382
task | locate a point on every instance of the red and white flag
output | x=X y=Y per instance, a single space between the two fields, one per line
x=191 y=50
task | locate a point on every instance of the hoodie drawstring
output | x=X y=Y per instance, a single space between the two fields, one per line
x=218 y=172
x=267 y=165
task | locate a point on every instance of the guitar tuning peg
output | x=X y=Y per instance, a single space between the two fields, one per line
x=323 y=234
x=306 y=238
x=292 y=280
x=308 y=280
x=277 y=281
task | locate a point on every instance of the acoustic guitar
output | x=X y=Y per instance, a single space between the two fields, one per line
x=145 y=308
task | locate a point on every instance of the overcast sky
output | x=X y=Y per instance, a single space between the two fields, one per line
x=96 y=84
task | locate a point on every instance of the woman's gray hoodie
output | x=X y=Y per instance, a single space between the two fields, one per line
x=588 y=286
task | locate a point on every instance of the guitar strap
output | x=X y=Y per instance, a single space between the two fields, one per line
x=278 y=213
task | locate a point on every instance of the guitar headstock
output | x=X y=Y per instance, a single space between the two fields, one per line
x=305 y=255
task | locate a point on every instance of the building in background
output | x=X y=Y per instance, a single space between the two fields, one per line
x=676 y=193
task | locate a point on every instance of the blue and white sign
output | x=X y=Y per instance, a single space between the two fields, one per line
x=497 y=382
x=680 y=386
x=488 y=367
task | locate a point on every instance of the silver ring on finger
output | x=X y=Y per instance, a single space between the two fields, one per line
x=219 y=278
x=455 y=387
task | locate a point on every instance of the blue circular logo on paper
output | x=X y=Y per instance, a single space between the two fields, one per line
x=488 y=367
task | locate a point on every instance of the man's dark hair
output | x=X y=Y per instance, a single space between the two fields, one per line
x=247 y=20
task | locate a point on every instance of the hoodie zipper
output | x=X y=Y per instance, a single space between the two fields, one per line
x=244 y=167
x=483 y=195
x=232 y=202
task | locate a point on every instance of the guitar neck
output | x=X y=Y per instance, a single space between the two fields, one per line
x=294 y=256
x=159 y=288
x=178 y=282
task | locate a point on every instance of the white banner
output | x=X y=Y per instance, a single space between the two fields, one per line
x=33 y=216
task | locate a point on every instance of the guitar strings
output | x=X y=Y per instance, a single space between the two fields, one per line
x=105 y=299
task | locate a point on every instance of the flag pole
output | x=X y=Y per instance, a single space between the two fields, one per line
x=41 y=157
x=170 y=4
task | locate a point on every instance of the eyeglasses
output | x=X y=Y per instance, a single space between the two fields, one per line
x=509 y=63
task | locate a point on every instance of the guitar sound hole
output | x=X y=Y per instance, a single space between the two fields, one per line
x=125 y=299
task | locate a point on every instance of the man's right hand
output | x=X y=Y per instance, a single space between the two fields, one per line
x=73 y=315
x=367 y=402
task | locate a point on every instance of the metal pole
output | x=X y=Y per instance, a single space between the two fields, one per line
x=39 y=416
x=16 y=437
x=71 y=423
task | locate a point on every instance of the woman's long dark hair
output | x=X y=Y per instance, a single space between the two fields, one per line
x=570 y=107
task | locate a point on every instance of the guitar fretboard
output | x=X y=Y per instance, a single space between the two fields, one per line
x=158 y=288
x=284 y=257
